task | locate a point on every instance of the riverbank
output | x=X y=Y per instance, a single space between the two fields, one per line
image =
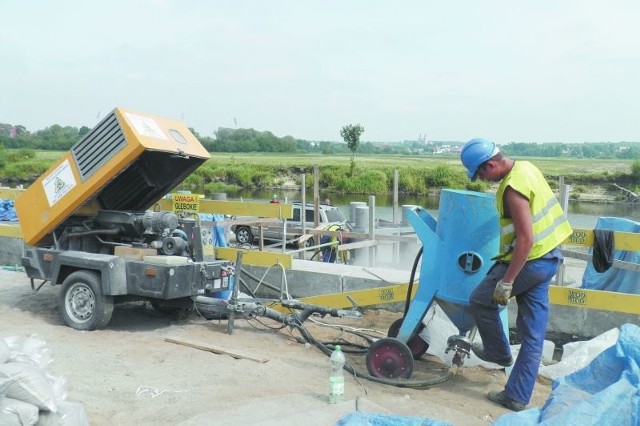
x=593 y=194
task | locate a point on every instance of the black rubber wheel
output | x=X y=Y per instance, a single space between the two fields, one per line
x=390 y=358
x=244 y=235
x=82 y=304
x=417 y=346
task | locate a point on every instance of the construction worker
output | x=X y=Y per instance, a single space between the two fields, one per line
x=274 y=199
x=330 y=253
x=532 y=225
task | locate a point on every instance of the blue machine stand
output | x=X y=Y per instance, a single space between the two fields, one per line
x=456 y=255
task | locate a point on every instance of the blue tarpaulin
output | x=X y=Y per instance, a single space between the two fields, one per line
x=7 y=211
x=373 y=419
x=615 y=279
x=605 y=393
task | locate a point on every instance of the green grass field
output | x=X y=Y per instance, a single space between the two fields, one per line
x=373 y=174
x=550 y=166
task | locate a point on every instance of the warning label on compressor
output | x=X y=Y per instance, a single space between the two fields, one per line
x=185 y=203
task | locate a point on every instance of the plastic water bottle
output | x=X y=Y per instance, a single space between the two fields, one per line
x=336 y=380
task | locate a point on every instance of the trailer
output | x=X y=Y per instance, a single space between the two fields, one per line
x=91 y=223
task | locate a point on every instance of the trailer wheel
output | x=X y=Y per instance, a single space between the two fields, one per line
x=244 y=235
x=82 y=304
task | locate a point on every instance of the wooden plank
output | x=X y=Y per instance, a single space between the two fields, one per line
x=627 y=241
x=357 y=245
x=595 y=299
x=218 y=351
x=580 y=237
x=367 y=297
x=623 y=240
x=10 y=230
x=254 y=257
x=565 y=296
x=10 y=193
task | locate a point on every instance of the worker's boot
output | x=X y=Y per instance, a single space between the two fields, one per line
x=478 y=350
x=505 y=401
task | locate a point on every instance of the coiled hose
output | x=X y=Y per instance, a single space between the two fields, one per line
x=403 y=383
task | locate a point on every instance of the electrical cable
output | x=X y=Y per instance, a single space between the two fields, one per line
x=326 y=349
x=358 y=374
x=411 y=279
x=350 y=368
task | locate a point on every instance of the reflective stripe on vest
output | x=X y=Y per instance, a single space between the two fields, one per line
x=550 y=225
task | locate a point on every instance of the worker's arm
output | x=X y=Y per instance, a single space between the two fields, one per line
x=518 y=207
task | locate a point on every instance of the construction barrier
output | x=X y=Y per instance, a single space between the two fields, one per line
x=559 y=295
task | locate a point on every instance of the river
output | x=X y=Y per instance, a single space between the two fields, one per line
x=581 y=214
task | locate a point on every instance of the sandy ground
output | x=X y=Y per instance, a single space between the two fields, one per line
x=128 y=374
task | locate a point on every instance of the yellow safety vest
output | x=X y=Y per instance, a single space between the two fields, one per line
x=550 y=225
x=344 y=255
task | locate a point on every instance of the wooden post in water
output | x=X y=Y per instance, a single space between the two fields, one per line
x=372 y=232
x=303 y=211
x=564 y=203
x=395 y=196
x=316 y=195
x=396 y=245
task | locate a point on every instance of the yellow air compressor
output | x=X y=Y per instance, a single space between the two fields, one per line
x=90 y=225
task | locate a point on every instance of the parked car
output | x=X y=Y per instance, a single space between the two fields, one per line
x=329 y=215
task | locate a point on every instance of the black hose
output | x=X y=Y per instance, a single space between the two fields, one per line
x=356 y=373
x=317 y=252
x=351 y=369
x=411 y=279
x=282 y=318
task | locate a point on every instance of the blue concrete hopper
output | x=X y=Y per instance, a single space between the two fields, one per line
x=457 y=252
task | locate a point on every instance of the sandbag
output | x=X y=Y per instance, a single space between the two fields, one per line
x=18 y=413
x=29 y=385
x=5 y=352
x=30 y=350
x=70 y=413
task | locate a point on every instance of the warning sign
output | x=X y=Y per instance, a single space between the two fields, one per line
x=146 y=126
x=185 y=203
x=59 y=182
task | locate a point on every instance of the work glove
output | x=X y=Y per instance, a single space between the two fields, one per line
x=502 y=293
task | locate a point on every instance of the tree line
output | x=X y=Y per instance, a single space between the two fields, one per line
x=59 y=138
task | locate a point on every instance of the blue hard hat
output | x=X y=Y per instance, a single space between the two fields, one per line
x=474 y=153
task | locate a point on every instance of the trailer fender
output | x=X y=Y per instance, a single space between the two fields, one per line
x=112 y=269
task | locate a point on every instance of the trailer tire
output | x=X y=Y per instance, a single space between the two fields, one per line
x=82 y=304
x=244 y=235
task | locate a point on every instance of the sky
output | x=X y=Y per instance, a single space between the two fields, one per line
x=508 y=71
